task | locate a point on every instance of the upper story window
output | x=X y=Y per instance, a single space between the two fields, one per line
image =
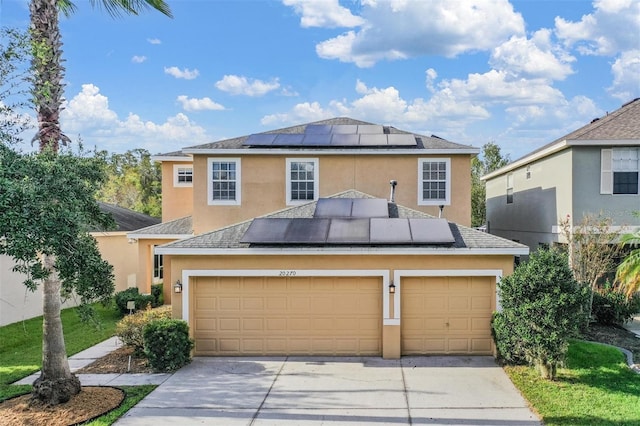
x=224 y=181
x=434 y=181
x=302 y=180
x=619 y=170
x=510 y=188
x=182 y=175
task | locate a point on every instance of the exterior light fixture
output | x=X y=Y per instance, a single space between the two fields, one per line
x=177 y=287
x=392 y=288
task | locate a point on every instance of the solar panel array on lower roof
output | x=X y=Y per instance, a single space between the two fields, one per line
x=348 y=231
x=337 y=135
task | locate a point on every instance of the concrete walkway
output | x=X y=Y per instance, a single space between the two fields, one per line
x=87 y=356
x=335 y=390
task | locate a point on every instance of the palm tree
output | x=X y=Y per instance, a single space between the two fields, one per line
x=628 y=272
x=56 y=384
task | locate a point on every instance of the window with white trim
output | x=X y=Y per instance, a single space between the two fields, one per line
x=224 y=181
x=619 y=171
x=434 y=181
x=510 y=188
x=302 y=180
x=182 y=175
x=158 y=267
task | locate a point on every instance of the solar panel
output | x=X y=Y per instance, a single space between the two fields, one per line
x=288 y=139
x=320 y=139
x=348 y=231
x=333 y=207
x=315 y=129
x=260 y=139
x=390 y=231
x=309 y=231
x=373 y=140
x=369 y=207
x=431 y=231
x=402 y=139
x=370 y=129
x=266 y=230
x=344 y=129
x=339 y=139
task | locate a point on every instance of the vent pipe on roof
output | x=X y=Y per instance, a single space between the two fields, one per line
x=441 y=207
x=392 y=196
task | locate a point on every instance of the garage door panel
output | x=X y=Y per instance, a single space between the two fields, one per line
x=276 y=316
x=443 y=315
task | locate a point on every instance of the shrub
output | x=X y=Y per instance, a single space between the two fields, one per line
x=542 y=307
x=611 y=307
x=167 y=344
x=158 y=297
x=142 y=301
x=130 y=328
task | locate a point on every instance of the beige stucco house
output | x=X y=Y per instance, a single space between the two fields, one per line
x=17 y=303
x=293 y=241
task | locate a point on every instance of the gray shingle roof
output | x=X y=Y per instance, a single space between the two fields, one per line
x=424 y=142
x=182 y=226
x=229 y=237
x=126 y=219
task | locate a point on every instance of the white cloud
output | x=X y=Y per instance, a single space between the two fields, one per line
x=154 y=40
x=626 y=76
x=400 y=29
x=532 y=58
x=195 y=104
x=186 y=74
x=613 y=27
x=138 y=59
x=323 y=13
x=240 y=85
x=300 y=113
x=88 y=114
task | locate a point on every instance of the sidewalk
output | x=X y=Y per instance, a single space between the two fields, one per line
x=87 y=356
x=633 y=325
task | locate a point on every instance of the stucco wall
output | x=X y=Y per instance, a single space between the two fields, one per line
x=177 y=201
x=263 y=185
x=122 y=255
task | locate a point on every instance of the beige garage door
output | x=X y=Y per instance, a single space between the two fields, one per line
x=287 y=316
x=447 y=315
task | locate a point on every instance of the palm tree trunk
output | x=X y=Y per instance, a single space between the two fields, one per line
x=56 y=384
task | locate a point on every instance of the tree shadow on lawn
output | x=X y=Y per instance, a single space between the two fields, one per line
x=589 y=421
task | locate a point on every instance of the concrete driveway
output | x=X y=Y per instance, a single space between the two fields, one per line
x=343 y=390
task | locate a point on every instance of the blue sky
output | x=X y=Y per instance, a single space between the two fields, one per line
x=519 y=73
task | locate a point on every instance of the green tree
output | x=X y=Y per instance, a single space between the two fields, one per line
x=628 y=272
x=56 y=384
x=490 y=161
x=134 y=181
x=541 y=309
x=14 y=53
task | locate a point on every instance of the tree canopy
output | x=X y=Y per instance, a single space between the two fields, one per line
x=491 y=159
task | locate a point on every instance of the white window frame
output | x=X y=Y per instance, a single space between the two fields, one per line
x=176 y=175
x=158 y=272
x=440 y=202
x=607 y=171
x=316 y=179
x=510 y=185
x=238 y=199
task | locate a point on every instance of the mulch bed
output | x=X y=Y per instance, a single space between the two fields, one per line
x=616 y=336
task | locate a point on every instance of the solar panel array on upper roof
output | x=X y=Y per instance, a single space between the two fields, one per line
x=351 y=208
x=337 y=135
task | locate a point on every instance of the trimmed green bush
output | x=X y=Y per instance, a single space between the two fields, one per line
x=611 y=307
x=542 y=307
x=158 y=296
x=142 y=301
x=130 y=328
x=167 y=344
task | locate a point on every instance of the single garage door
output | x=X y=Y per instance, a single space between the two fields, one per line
x=287 y=316
x=447 y=315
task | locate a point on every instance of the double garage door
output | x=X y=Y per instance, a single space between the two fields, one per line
x=338 y=315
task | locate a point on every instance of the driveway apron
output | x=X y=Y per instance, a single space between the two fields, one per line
x=335 y=390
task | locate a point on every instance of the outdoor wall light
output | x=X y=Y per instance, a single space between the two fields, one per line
x=177 y=287
x=392 y=288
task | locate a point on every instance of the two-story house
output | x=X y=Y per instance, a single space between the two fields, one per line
x=339 y=237
x=591 y=171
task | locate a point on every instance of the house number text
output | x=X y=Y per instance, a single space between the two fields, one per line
x=287 y=274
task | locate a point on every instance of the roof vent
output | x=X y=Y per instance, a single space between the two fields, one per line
x=386 y=130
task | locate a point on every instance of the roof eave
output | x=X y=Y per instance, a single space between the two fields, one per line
x=340 y=251
x=236 y=151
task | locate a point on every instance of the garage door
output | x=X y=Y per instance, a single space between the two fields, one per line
x=287 y=316
x=447 y=315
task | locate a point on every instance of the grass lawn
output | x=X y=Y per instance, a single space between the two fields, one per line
x=595 y=388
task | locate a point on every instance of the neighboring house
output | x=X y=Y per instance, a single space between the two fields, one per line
x=17 y=303
x=593 y=170
x=290 y=245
